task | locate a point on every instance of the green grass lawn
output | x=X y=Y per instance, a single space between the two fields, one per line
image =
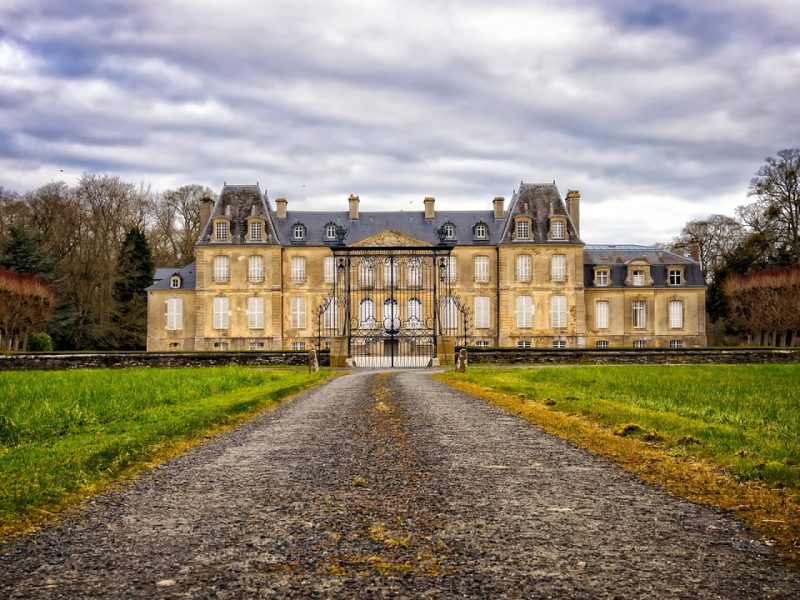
x=64 y=434
x=745 y=418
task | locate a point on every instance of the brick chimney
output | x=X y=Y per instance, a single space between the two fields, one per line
x=694 y=250
x=353 y=200
x=429 y=212
x=574 y=208
x=206 y=206
x=498 y=203
x=281 y=207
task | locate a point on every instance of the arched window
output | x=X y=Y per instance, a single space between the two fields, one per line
x=481 y=231
x=366 y=272
x=449 y=231
x=175 y=282
x=366 y=313
x=414 y=272
x=391 y=316
x=298 y=231
x=390 y=272
x=414 y=314
x=330 y=231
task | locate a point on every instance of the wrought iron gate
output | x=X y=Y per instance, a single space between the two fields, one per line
x=392 y=304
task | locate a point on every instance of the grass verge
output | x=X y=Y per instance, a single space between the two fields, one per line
x=721 y=435
x=65 y=435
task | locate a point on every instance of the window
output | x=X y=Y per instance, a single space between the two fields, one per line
x=220 y=312
x=481 y=343
x=558 y=311
x=450 y=269
x=221 y=273
x=559 y=344
x=329 y=269
x=175 y=282
x=602 y=344
x=414 y=272
x=523 y=229
x=391 y=316
x=481 y=312
x=414 y=314
x=601 y=314
x=675 y=314
x=481 y=231
x=640 y=343
x=330 y=231
x=256 y=231
x=639 y=316
x=675 y=277
x=449 y=314
x=174 y=314
x=255 y=313
x=558 y=267
x=557 y=229
x=298 y=346
x=601 y=277
x=366 y=313
x=390 y=272
x=298 y=312
x=367 y=272
x=220 y=345
x=675 y=344
x=221 y=231
x=449 y=231
x=298 y=269
x=524 y=312
x=523 y=267
x=255 y=269
x=481 y=269
x=256 y=345
x=523 y=344
x=638 y=277
x=331 y=315
x=298 y=232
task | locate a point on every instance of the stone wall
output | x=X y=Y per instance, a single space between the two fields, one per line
x=632 y=357
x=104 y=360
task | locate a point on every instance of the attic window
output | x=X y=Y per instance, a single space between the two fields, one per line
x=221 y=231
x=175 y=282
x=481 y=231
x=449 y=231
x=298 y=232
x=557 y=229
x=256 y=230
x=330 y=231
x=523 y=229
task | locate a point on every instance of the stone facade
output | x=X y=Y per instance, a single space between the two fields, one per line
x=524 y=274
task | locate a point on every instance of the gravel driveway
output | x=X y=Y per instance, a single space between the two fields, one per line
x=390 y=484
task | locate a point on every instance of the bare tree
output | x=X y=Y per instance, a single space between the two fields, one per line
x=717 y=236
x=175 y=224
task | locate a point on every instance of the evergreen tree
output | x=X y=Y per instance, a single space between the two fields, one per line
x=134 y=274
x=23 y=253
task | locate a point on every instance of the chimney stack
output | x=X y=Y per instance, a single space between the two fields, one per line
x=429 y=212
x=206 y=206
x=694 y=250
x=281 y=207
x=353 y=201
x=498 y=203
x=574 y=209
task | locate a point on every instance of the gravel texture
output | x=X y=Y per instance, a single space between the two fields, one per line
x=387 y=485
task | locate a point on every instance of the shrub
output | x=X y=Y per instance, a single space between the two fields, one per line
x=40 y=342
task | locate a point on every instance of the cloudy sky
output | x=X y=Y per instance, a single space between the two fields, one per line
x=659 y=112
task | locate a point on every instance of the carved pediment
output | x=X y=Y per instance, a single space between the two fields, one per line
x=390 y=237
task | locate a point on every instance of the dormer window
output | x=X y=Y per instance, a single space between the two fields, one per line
x=221 y=231
x=523 y=229
x=175 y=282
x=638 y=277
x=298 y=232
x=558 y=228
x=675 y=276
x=256 y=231
x=602 y=276
x=481 y=231
x=638 y=274
x=330 y=231
x=449 y=231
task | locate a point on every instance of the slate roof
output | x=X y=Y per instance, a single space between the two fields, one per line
x=238 y=202
x=617 y=257
x=161 y=278
x=538 y=201
x=368 y=224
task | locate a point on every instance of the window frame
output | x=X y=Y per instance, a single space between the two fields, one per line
x=561 y=224
x=298 y=228
x=602 y=277
x=255 y=268
x=524 y=267
x=638 y=314
x=477 y=234
x=675 y=312
x=558 y=311
x=222 y=274
x=174 y=317
x=482 y=312
x=255 y=315
x=604 y=323
x=330 y=231
x=522 y=226
x=252 y=225
x=481 y=266
x=221 y=310
x=298 y=313
x=558 y=272
x=675 y=276
x=602 y=344
x=676 y=344
x=297 y=269
x=524 y=311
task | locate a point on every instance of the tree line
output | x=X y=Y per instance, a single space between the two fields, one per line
x=752 y=260
x=94 y=245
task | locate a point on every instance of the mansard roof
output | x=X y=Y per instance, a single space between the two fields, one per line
x=237 y=203
x=161 y=278
x=539 y=201
x=617 y=256
x=413 y=224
